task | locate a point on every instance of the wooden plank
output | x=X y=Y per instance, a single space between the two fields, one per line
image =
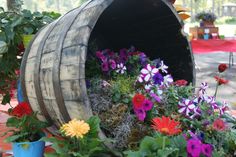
x=77 y=110
x=79 y=37
x=47 y=60
x=74 y=55
x=46 y=84
x=71 y=90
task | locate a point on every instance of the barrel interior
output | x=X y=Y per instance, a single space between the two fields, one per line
x=152 y=27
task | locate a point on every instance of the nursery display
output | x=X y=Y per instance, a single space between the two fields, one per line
x=26 y=131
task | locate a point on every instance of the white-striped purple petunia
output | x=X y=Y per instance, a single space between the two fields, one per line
x=186 y=107
x=148 y=72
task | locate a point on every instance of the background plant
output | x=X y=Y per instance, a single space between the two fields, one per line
x=12 y=26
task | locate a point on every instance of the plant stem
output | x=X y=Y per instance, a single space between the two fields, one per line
x=164 y=142
x=217 y=85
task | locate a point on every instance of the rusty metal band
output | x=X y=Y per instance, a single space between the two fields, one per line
x=56 y=66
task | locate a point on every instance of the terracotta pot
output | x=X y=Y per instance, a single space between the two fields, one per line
x=208 y=24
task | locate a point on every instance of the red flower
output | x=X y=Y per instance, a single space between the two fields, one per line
x=221 y=80
x=219 y=125
x=138 y=100
x=166 y=125
x=22 y=109
x=222 y=67
x=181 y=83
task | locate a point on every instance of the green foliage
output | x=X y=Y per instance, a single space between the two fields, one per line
x=161 y=146
x=88 y=146
x=122 y=87
x=174 y=94
x=26 y=128
x=12 y=27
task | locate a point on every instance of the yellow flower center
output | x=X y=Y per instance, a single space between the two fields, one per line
x=165 y=130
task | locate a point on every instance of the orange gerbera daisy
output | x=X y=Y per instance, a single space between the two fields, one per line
x=166 y=125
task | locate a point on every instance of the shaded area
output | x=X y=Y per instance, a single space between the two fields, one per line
x=151 y=26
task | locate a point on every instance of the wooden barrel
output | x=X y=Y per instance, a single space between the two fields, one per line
x=53 y=66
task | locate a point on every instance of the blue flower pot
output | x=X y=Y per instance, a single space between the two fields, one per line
x=206 y=36
x=28 y=149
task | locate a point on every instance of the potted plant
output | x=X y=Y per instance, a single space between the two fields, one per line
x=27 y=130
x=206 y=19
x=79 y=138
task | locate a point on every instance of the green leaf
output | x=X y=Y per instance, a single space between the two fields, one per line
x=180 y=143
x=148 y=144
x=28 y=30
x=6 y=99
x=166 y=152
x=93 y=122
x=3 y=47
x=132 y=154
x=14 y=138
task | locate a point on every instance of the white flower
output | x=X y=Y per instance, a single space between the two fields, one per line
x=168 y=80
x=163 y=67
x=148 y=72
x=121 y=68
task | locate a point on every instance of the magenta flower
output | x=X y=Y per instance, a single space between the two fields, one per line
x=207 y=150
x=105 y=66
x=147 y=105
x=121 y=68
x=194 y=147
x=140 y=113
x=100 y=55
x=156 y=97
x=185 y=107
x=148 y=72
x=112 y=64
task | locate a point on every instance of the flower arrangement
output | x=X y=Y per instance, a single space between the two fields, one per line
x=138 y=100
x=205 y=16
x=144 y=112
x=26 y=127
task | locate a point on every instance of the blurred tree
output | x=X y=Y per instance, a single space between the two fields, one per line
x=14 y=5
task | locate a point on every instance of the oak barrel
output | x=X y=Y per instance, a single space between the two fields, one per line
x=53 y=66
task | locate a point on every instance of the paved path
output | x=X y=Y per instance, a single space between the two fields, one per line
x=207 y=65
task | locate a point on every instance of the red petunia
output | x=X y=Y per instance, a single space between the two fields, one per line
x=221 y=80
x=181 y=83
x=219 y=125
x=222 y=67
x=166 y=126
x=138 y=100
x=22 y=109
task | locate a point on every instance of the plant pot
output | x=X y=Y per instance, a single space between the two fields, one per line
x=28 y=149
x=26 y=39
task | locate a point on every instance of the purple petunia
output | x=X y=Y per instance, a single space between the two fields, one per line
x=194 y=147
x=140 y=113
x=185 y=107
x=112 y=64
x=147 y=105
x=143 y=59
x=158 y=79
x=207 y=150
x=156 y=97
x=105 y=66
